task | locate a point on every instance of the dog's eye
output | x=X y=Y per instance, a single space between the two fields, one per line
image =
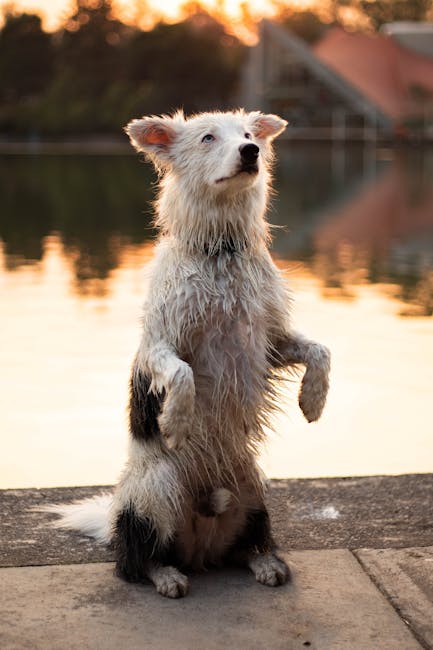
x=248 y=136
x=208 y=138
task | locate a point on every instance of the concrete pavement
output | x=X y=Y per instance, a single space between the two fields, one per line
x=340 y=597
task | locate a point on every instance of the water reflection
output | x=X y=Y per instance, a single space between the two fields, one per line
x=367 y=219
x=357 y=241
x=353 y=215
x=96 y=204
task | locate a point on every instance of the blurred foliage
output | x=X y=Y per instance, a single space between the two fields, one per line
x=26 y=54
x=380 y=12
x=308 y=25
x=360 y=14
x=196 y=56
x=96 y=72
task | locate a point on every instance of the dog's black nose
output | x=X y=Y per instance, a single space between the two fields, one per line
x=249 y=153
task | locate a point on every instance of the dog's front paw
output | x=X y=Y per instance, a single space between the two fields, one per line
x=312 y=397
x=170 y=582
x=174 y=427
x=178 y=410
x=315 y=384
x=270 y=570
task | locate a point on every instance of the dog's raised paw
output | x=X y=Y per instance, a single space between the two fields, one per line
x=314 y=386
x=270 y=570
x=174 y=441
x=312 y=403
x=175 y=420
x=174 y=431
x=170 y=582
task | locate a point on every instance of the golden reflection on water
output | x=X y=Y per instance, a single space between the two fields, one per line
x=388 y=224
x=66 y=357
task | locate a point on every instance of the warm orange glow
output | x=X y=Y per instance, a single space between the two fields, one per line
x=56 y=429
x=238 y=16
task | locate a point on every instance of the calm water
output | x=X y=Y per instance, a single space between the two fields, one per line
x=357 y=245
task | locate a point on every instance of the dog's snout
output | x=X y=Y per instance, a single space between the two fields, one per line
x=249 y=153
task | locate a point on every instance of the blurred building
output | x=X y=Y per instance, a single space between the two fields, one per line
x=346 y=86
x=414 y=36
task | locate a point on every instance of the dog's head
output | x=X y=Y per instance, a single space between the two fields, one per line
x=220 y=152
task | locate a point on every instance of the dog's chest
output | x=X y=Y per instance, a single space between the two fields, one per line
x=224 y=298
x=223 y=330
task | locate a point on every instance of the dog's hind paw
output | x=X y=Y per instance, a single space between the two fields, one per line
x=270 y=570
x=170 y=582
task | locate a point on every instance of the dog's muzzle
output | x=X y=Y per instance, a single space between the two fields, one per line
x=249 y=155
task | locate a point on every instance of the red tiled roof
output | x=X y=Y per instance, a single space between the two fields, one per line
x=384 y=71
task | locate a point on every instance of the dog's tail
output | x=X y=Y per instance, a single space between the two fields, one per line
x=90 y=517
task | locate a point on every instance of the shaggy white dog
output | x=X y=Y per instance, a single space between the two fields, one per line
x=216 y=335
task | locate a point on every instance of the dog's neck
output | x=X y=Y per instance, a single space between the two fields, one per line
x=213 y=225
x=228 y=246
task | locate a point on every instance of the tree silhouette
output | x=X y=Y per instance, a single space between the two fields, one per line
x=89 y=50
x=95 y=73
x=26 y=56
x=193 y=64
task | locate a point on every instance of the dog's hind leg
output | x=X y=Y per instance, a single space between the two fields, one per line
x=256 y=548
x=141 y=554
x=269 y=569
x=168 y=580
x=148 y=498
x=146 y=508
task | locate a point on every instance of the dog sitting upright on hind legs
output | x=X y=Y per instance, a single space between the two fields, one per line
x=216 y=336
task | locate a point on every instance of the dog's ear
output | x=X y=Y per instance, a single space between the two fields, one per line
x=266 y=126
x=154 y=135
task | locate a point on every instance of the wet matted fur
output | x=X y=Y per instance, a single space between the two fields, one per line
x=216 y=337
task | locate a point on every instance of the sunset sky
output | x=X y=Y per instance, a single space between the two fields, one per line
x=137 y=11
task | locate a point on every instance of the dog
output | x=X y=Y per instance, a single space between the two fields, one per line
x=216 y=340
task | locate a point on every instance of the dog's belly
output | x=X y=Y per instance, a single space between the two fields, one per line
x=228 y=356
x=205 y=537
x=203 y=541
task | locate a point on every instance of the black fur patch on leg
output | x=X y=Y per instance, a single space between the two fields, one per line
x=135 y=543
x=144 y=407
x=254 y=538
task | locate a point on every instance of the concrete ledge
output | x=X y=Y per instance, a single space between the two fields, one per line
x=369 y=512
x=28 y=539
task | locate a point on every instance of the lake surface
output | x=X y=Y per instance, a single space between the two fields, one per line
x=355 y=237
